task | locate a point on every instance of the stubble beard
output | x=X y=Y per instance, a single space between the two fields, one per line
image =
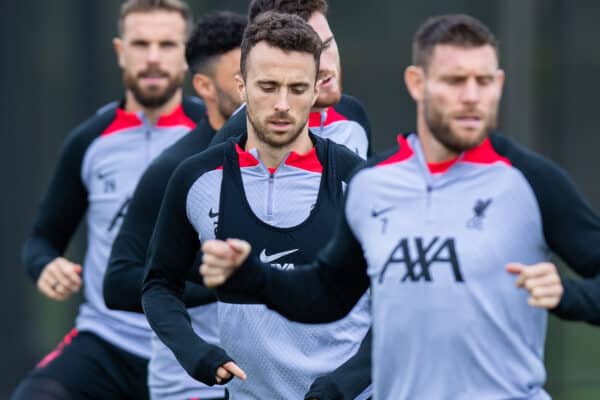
x=152 y=99
x=441 y=130
x=262 y=134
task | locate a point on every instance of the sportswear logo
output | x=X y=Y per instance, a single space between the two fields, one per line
x=376 y=213
x=212 y=214
x=267 y=259
x=476 y=222
x=110 y=185
x=428 y=254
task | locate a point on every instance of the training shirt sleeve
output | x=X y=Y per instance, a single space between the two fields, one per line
x=171 y=252
x=125 y=271
x=322 y=292
x=572 y=231
x=65 y=201
x=349 y=380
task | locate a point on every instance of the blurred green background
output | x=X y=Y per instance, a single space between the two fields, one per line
x=58 y=67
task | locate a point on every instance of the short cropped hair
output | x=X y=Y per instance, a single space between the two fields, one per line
x=302 y=8
x=134 y=6
x=287 y=32
x=215 y=34
x=452 y=29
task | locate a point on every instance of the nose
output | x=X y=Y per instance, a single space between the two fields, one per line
x=470 y=93
x=153 y=53
x=282 y=103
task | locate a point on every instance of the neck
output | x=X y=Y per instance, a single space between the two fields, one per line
x=152 y=114
x=318 y=109
x=433 y=150
x=272 y=156
x=215 y=118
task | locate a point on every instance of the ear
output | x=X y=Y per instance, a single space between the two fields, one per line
x=501 y=78
x=414 y=78
x=241 y=86
x=118 y=46
x=317 y=92
x=203 y=86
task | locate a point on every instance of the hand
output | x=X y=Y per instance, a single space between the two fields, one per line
x=227 y=371
x=59 y=279
x=221 y=259
x=541 y=281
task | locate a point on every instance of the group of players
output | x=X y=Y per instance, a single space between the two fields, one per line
x=205 y=219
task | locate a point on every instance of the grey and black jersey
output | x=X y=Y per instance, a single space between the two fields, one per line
x=227 y=188
x=98 y=169
x=448 y=321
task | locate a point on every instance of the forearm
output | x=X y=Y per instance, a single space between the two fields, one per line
x=169 y=319
x=580 y=300
x=349 y=380
x=36 y=254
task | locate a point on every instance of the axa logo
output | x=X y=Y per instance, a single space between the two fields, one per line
x=476 y=222
x=270 y=258
x=418 y=256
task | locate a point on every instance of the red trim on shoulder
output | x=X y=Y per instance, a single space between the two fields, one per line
x=314 y=119
x=176 y=118
x=441 y=167
x=123 y=120
x=308 y=161
x=59 y=349
x=404 y=152
x=484 y=154
x=245 y=158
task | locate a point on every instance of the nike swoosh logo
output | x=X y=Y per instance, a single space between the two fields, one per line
x=212 y=214
x=101 y=175
x=274 y=257
x=377 y=213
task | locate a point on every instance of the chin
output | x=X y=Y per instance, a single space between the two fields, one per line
x=328 y=98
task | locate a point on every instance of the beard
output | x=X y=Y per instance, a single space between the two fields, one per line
x=276 y=140
x=440 y=127
x=226 y=103
x=152 y=97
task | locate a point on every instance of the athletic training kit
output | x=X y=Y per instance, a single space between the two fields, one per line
x=98 y=169
x=288 y=213
x=124 y=274
x=432 y=244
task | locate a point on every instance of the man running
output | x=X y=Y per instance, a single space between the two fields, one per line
x=281 y=186
x=213 y=54
x=438 y=228
x=105 y=356
x=334 y=116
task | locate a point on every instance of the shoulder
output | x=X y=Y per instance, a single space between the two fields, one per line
x=351 y=108
x=539 y=171
x=194 y=108
x=346 y=161
x=192 y=168
x=90 y=129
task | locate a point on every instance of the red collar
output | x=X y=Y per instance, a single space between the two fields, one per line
x=308 y=161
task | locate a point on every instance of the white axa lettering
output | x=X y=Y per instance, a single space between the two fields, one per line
x=284 y=267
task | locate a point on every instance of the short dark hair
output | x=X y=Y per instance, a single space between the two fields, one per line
x=302 y=8
x=133 y=6
x=452 y=29
x=215 y=34
x=284 y=31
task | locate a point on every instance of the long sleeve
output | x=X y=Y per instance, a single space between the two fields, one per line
x=322 y=292
x=349 y=380
x=571 y=229
x=172 y=250
x=65 y=201
x=125 y=272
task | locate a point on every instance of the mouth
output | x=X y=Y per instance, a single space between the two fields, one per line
x=328 y=81
x=279 y=125
x=153 y=78
x=469 y=121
